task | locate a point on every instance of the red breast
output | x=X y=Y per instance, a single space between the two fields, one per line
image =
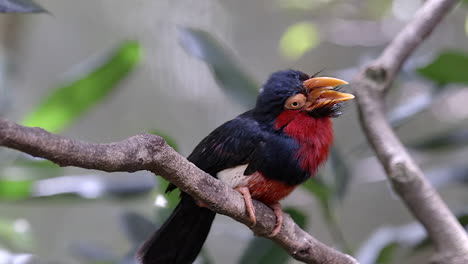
x=267 y=190
x=314 y=135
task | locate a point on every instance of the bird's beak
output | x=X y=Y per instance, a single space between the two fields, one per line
x=321 y=92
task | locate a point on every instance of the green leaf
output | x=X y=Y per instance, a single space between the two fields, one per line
x=171 y=197
x=463 y=219
x=228 y=74
x=298 y=216
x=448 y=67
x=67 y=103
x=319 y=189
x=14 y=190
x=20 y=6
x=264 y=251
x=298 y=39
x=387 y=254
x=37 y=163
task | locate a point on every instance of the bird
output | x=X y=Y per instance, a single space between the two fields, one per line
x=264 y=154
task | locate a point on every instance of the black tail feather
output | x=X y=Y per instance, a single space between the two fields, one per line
x=181 y=237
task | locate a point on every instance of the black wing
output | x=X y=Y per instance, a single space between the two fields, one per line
x=231 y=144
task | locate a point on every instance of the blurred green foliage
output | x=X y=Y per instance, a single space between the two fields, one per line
x=387 y=254
x=448 y=67
x=15 y=234
x=298 y=39
x=64 y=105
x=15 y=189
x=68 y=102
x=318 y=189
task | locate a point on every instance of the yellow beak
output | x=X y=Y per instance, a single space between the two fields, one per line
x=321 y=92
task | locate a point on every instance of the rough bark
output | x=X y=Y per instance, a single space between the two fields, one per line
x=408 y=181
x=150 y=152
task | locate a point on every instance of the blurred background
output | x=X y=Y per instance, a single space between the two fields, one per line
x=105 y=70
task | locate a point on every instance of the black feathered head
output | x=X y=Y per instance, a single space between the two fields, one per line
x=296 y=91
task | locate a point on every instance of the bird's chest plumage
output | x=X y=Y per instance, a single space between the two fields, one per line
x=261 y=188
x=286 y=160
x=288 y=156
x=314 y=136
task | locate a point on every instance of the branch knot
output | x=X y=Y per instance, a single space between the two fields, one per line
x=377 y=74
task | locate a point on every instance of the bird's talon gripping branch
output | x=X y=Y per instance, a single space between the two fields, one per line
x=279 y=219
x=248 y=203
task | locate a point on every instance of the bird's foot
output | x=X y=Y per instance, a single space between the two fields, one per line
x=279 y=219
x=248 y=203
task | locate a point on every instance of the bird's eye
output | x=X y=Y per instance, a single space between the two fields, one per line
x=295 y=102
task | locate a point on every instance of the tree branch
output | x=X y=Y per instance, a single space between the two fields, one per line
x=150 y=152
x=448 y=236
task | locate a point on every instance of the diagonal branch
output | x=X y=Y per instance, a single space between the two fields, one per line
x=448 y=236
x=422 y=25
x=150 y=152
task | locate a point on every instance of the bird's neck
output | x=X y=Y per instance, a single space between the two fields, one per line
x=314 y=136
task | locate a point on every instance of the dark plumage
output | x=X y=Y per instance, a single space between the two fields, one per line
x=278 y=147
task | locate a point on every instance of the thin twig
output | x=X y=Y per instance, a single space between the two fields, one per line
x=448 y=236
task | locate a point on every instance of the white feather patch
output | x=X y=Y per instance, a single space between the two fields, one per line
x=234 y=176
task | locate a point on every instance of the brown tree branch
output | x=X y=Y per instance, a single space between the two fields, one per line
x=448 y=236
x=150 y=152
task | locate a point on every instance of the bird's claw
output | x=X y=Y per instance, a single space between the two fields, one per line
x=251 y=210
x=279 y=219
x=248 y=203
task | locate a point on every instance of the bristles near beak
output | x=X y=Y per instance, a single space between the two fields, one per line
x=321 y=92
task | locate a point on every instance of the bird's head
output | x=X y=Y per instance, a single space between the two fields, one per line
x=294 y=93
